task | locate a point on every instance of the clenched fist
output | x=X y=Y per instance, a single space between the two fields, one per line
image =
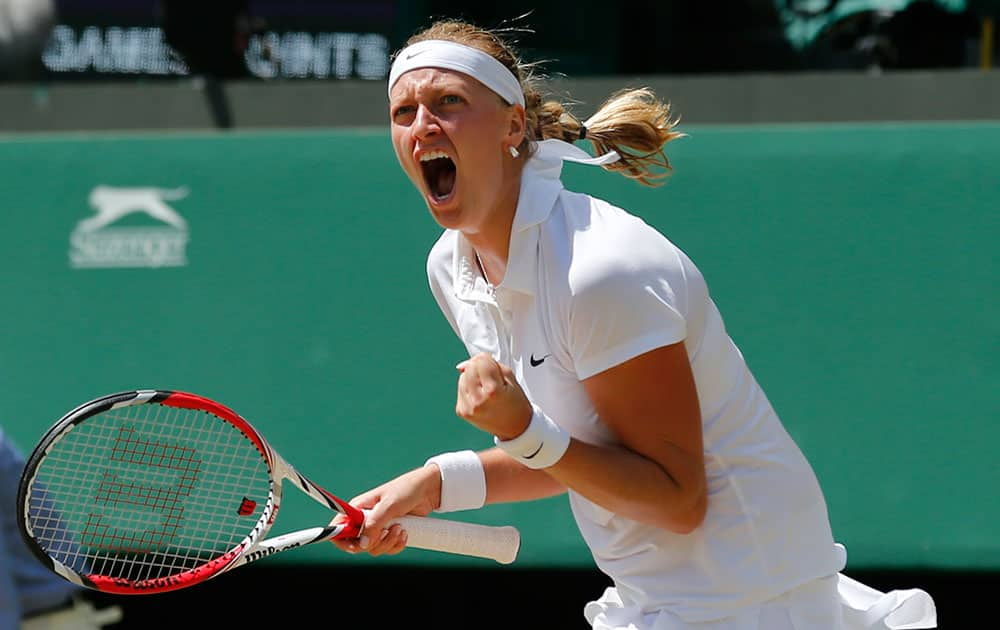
x=490 y=398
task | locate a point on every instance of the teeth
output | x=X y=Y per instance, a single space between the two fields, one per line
x=433 y=155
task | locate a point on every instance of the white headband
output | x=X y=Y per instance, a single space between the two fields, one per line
x=484 y=68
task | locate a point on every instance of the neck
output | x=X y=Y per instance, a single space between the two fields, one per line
x=492 y=265
x=492 y=241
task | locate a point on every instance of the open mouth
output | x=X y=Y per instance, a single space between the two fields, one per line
x=439 y=174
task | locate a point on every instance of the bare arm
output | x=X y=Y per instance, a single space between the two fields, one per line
x=418 y=492
x=655 y=476
x=507 y=480
x=658 y=475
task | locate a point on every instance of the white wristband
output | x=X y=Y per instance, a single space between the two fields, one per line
x=541 y=445
x=463 y=481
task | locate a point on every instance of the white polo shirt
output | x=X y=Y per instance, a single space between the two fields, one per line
x=587 y=287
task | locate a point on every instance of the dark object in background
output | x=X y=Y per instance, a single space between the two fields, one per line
x=685 y=37
x=923 y=35
x=211 y=37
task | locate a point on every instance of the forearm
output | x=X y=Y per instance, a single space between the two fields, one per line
x=668 y=492
x=464 y=480
x=507 y=480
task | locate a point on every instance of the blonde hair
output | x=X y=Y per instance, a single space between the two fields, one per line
x=633 y=121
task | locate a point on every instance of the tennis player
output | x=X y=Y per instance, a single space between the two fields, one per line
x=600 y=364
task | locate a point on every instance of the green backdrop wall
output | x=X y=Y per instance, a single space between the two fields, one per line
x=855 y=266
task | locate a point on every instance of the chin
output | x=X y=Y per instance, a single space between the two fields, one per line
x=447 y=212
x=449 y=219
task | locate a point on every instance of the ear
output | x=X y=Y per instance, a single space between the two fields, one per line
x=516 y=127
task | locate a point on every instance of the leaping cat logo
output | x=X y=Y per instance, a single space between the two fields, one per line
x=112 y=203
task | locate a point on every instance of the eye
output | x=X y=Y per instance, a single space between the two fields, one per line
x=451 y=99
x=403 y=111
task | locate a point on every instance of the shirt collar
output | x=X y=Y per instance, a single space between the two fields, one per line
x=538 y=197
x=535 y=202
x=468 y=282
x=540 y=188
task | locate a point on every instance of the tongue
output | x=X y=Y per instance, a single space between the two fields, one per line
x=444 y=183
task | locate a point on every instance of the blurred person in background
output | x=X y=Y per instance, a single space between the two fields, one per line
x=632 y=399
x=31 y=596
x=877 y=35
x=25 y=26
x=211 y=37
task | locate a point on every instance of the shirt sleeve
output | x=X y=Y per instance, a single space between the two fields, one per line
x=622 y=308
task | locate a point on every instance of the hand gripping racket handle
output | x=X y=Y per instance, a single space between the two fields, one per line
x=470 y=539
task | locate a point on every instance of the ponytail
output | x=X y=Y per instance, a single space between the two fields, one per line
x=632 y=122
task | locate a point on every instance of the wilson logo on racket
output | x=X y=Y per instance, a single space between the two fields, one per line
x=162 y=503
x=247 y=506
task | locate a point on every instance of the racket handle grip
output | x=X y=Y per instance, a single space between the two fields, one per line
x=469 y=539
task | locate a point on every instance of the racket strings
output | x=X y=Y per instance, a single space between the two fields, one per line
x=148 y=491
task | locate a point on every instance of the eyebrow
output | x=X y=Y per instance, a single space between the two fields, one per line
x=451 y=79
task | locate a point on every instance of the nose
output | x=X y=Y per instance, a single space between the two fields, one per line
x=425 y=124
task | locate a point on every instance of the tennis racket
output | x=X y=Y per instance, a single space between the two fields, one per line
x=150 y=491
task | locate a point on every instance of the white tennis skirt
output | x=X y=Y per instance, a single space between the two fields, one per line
x=836 y=602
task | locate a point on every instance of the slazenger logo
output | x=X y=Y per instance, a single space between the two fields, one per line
x=95 y=242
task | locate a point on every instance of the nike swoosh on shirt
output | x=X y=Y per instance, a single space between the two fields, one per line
x=536 y=362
